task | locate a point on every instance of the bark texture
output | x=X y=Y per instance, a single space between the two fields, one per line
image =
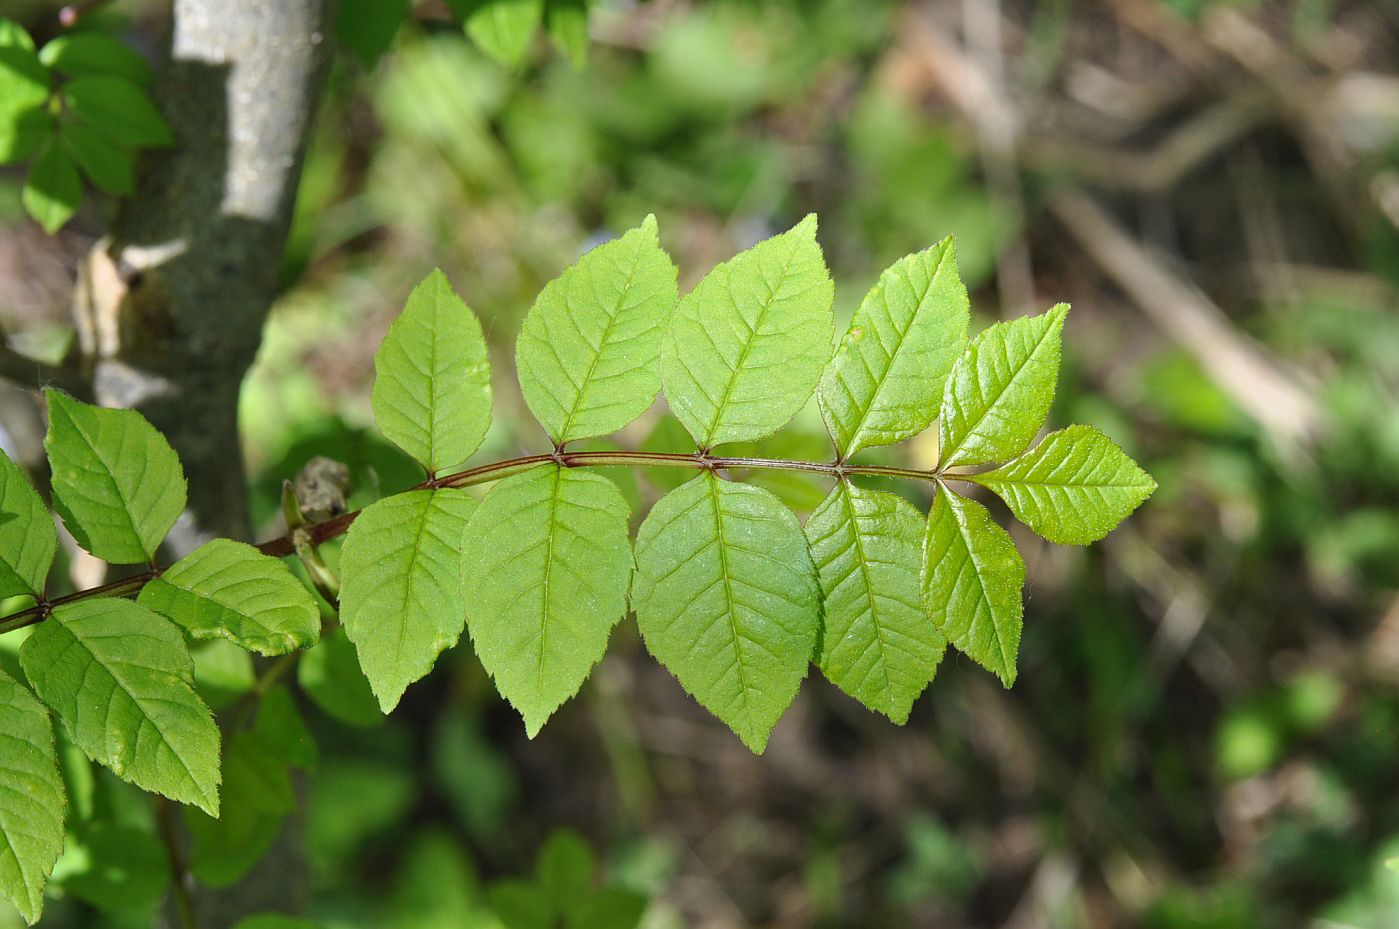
x=170 y=307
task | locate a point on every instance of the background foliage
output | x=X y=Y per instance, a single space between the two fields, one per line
x=1203 y=729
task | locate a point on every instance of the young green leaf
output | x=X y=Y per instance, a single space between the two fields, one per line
x=972 y=577
x=53 y=191
x=566 y=21
x=887 y=376
x=225 y=589
x=118 y=109
x=1073 y=488
x=24 y=91
x=32 y=800
x=120 y=680
x=548 y=564
x=111 y=167
x=726 y=598
x=564 y=870
x=746 y=347
x=91 y=53
x=1001 y=389
x=116 y=482
x=27 y=538
x=589 y=348
x=879 y=644
x=403 y=601
x=275 y=921
x=432 y=377
x=501 y=28
x=609 y=908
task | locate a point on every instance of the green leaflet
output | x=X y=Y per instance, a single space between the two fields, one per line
x=879 y=645
x=972 y=576
x=1073 y=488
x=27 y=538
x=589 y=348
x=726 y=598
x=111 y=167
x=403 y=601
x=79 y=53
x=118 y=109
x=368 y=27
x=53 y=191
x=120 y=680
x=746 y=347
x=116 y=482
x=548 y=564
x=32 y=800
x=432 y=377
x=887 y=376
x=228 y=590
x=502 y=28
x=566 y=21
x=1001 y=389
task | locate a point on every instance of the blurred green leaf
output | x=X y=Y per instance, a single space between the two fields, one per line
x=564 y=870
x=367 y=27
x=502 y=28
x=115 y=867
x=330 y=675
x=90 y=53
x=118 y=109
x=109 y=166
x=566 y=21
x=53 y=191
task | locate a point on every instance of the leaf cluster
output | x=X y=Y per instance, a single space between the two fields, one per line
x=79 y=106
x=731 y=592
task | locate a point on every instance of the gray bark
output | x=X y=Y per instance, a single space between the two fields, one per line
x=171 y=306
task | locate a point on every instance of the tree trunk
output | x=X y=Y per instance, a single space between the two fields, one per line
x=170 y=307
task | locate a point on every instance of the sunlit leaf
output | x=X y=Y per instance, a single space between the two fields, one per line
x=27 y=538
x=32 y=800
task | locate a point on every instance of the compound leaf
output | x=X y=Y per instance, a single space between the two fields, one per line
x=432 y=377
x=32 y=799
x=403 y=601
x=746 y=347
x=886 y=379
x=227 y=590
x=53 y=191
x=1001 y=389
x=589 y=348
x=727 y=599
x=116 y=482
x=972 y=577
x=548 y=566
x=879 y=645
x=1073 y=488
x=118 y=109
x=27 y=537
x=121 y=682
x=501 y=28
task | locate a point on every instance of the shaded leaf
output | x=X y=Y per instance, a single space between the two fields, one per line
x=118 y=109
x=548 y=565
x=330 y=675
x=727 y=599
x=885 y=382
x=589 y=349
x=1073 y=488
x=120 y=680
x=879 y=644
x=32 y=800
x=228 y=590
x=566 y=21
x=91 y=53
x=53 y=191
x=403 y=601
x=368 y=27
x=1001 y=389
x=972 y=578
x=746 y=347
x=111 y=167
x=432 y=377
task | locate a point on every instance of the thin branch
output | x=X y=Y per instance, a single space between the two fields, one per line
x=484 y=474
x=180 y=879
